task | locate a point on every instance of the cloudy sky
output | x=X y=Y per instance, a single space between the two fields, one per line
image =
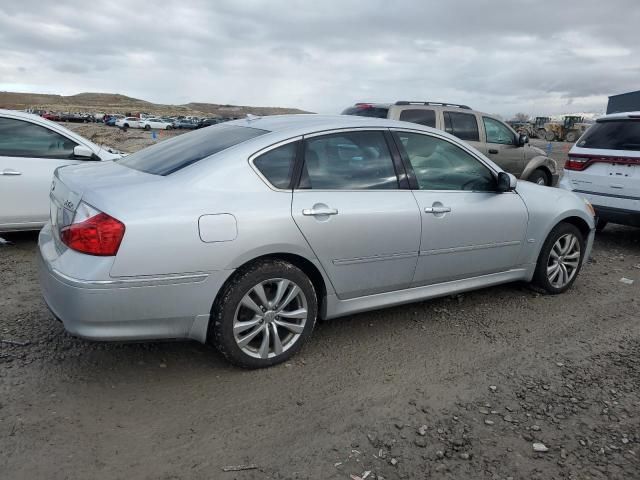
x=502 y=57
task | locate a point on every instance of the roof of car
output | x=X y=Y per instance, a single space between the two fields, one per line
x=621 y=115
x=301 y=123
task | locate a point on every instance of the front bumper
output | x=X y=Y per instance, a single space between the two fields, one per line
x=164 y=307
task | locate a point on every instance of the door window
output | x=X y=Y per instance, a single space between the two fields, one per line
x=277 y=165
x=497 y=132
x=441 y=165
x=462 y=125
x=348 y=161
x=25 y=139
x=421 y=116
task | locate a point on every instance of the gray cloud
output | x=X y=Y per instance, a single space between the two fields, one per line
x=498 y=56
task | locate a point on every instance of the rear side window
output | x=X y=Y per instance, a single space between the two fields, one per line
x=348 y=161
x=612 y=135
x=277 y=165
x=423 y=117
x=367 y=111
x=172 y=155
x=25 y=139
x=462 y=125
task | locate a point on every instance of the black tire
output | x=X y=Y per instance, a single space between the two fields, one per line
x=571 y=137
x=169 y=127
x=147 y=127
x=220 y=333
x=125 y=126
x=550 y=136
x=601 y=224
x=540 y=278
x=540 y=177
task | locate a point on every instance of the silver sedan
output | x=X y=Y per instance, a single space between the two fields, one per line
x=244 y=234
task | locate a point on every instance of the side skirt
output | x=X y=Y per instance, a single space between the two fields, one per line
x=338 y=308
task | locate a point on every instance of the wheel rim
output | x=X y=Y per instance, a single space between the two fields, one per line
x=270 y=318
x=564 y=260
x=541 y=181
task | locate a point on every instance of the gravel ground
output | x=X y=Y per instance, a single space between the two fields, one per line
x=460 y=387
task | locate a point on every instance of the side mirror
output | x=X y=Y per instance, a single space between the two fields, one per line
x=506 y=182
x=522 y=140
x=80 y=151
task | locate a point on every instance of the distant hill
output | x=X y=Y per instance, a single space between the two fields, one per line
x=116 y=103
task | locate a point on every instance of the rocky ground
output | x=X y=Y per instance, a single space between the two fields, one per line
x=496 y=384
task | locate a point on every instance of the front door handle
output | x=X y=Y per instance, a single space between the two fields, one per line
x=10 y=172
x=319 y=211
x=437 y=209
x=493 y=150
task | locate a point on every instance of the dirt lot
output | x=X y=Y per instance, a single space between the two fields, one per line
x=460 y=387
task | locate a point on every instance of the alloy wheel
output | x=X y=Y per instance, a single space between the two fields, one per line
x=564 y=260
x=270 y=318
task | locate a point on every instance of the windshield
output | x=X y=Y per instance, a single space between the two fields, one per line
x=172 y=155
x=612 y=135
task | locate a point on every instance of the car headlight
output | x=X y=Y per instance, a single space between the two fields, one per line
x=589 y=207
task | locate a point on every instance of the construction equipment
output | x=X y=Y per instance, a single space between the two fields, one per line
x=538 y=126
x=569 y=129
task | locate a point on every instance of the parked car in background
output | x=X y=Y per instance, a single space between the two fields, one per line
x=185 y=124
x=261 y=226
x=51 y=116
x=128 y=122
x=31 y=148
x=488 y=134
x=604 y=167
x=207 y=122
x=155 y=123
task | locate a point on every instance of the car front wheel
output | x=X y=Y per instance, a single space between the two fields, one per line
x=560 y=259
x=264 y=314
x=540 y=177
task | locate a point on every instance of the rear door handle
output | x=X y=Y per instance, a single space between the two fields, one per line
x=493 y=150
x=319 y=211
x=437 y=209
x=10 y=172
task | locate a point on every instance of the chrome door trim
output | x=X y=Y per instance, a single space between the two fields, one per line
x=374 y=258
x=469 y=248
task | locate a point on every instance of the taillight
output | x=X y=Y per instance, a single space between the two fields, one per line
x=575 y=162
x=93 y=232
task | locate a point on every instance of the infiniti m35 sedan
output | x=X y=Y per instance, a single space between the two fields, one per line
x=244 y=234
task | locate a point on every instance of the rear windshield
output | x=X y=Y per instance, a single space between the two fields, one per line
x=367 y=111
x=172 y=155
x=612 y=135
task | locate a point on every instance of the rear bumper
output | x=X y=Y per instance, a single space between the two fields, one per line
x=620 y=216
x=165 y=307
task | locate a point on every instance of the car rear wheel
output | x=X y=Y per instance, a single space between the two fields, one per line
x=540 y=177
x=560 y=259
x=264 y=314
x=147 y=127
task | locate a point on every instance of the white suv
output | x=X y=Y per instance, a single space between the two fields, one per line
x=488 y=134
x=604 y=167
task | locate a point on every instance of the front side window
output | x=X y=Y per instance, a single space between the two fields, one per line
x=421 y=116
x=441 y=165
x=348 y=161
x=25 y=139
x=462 y=125
x=277 y=165
x=497 y=132
x=169 y=156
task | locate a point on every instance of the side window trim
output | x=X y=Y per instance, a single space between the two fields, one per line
x=394 y=152
x=295 y=173
x=411 y=176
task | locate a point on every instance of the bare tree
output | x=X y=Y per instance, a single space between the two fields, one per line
x=521 y=117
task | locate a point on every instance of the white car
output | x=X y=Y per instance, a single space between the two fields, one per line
x=604 y=167
x=31 y=148
x=156 y=124
x=128 y=122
